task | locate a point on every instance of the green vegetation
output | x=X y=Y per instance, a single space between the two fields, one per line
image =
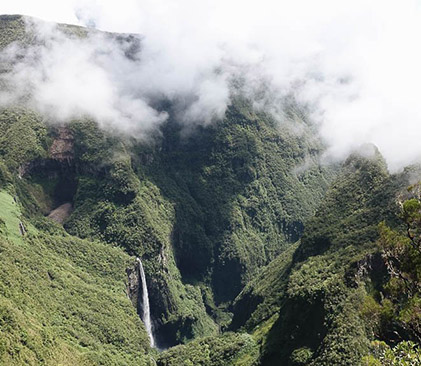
x=204 y=212
x=10 y=217
x=403 y=354
x=238 y=200
x=315 y=307
x=230 y=349
x=62 y=300
x=393 y=310
x=262 y=297
x=254 y=253
x=228 y=193
x=12 y=28
x=23 y=137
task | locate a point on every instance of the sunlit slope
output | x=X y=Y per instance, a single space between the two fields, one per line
x=63 y=300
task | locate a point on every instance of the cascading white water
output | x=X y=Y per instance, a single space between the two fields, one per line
x=146 y=316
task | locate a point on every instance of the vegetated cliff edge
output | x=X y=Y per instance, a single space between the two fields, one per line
x=326 y=301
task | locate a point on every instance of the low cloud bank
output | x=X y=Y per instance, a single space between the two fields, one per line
x=354 y=64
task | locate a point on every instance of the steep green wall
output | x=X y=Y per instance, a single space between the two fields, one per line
x=204 y=210
x=307 y=308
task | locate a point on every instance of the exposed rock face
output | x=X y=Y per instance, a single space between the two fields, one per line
x=61 y=213
x=61 y=156
x=62 y=147
x=133 y=285
x=59 y=168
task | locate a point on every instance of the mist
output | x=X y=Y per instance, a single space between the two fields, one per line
x=354 y=64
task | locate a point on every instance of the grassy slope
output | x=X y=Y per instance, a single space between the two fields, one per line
x=11 y=29
x=10 y=215
x=62 y=299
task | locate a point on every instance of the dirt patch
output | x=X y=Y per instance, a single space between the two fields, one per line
x=61 y=213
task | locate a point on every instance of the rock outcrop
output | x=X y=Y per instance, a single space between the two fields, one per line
x=61 y=213
x=62 y=147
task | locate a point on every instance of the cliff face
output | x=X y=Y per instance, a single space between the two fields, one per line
x=133 y=284
x=62 y=148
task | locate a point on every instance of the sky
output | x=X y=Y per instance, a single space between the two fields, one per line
x=356 y=63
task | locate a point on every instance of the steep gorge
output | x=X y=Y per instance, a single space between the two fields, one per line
x=253 y=252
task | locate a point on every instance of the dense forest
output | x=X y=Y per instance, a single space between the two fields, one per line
x=255 y=251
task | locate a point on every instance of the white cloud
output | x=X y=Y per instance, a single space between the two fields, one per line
x=66 y=77
x=357 y=62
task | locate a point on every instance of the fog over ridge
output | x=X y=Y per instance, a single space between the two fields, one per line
x=354 y=63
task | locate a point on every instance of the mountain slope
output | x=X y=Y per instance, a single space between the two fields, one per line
x=308 y=307
x=62 y=298
x=254 y=252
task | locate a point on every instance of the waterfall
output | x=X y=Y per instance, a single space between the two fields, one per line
x=146 y=316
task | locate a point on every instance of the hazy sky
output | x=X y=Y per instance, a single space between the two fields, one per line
x=357 y=62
